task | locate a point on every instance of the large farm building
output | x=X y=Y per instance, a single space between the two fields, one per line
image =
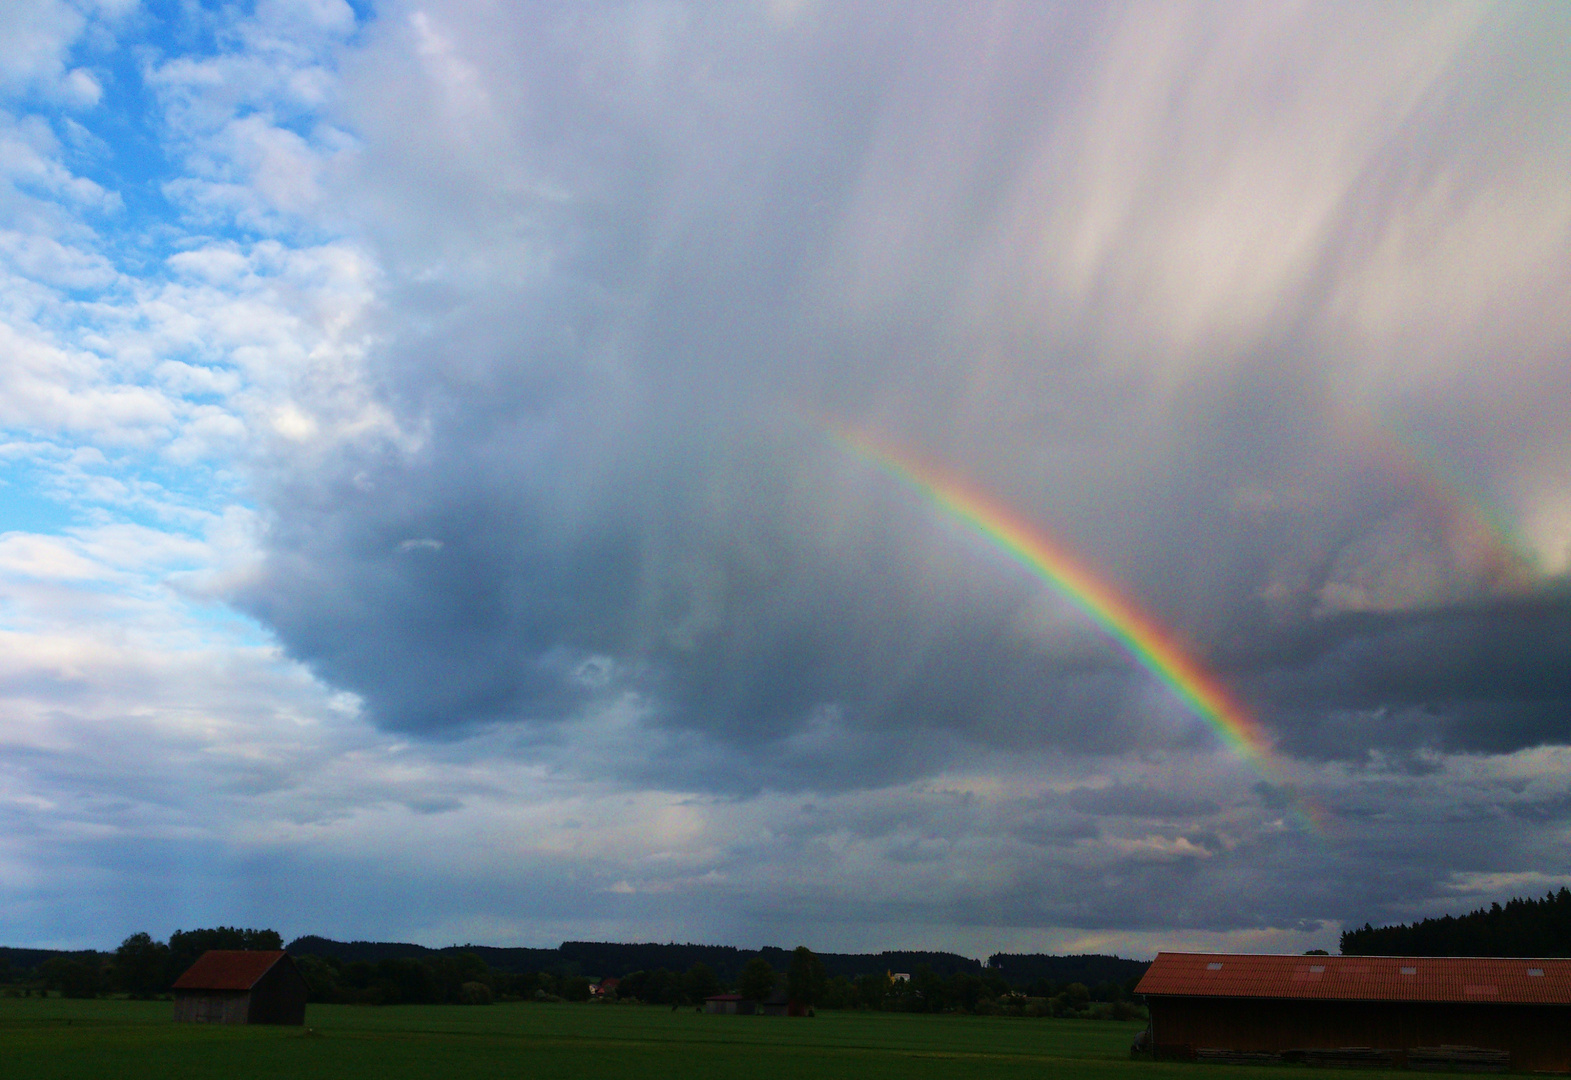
x=1499 y=1013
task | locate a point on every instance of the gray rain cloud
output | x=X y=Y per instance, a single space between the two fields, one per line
x=1154 y=278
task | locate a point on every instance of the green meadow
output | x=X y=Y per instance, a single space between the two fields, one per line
x=45 y=1038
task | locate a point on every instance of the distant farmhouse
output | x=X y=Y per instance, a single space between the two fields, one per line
x=733 y=1004
x=1374 y=1011
x=234 y=987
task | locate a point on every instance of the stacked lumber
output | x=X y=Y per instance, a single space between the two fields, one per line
x=1351 y=1057
x=1431 y=1058
x=1236 y=1057
x=1458 y=1059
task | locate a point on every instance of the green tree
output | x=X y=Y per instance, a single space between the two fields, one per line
x=928 y=987
x=806 y=977
x=757 y=981
x=74 y=976
x=452 y=970
x=141 y=965
x=873 y=989
x=839 y=993
x=965 y=990
x=187 y=946
x=700 y=982
x=357 y=975
x=404 y=980
x=658 y=987
x=321 y=979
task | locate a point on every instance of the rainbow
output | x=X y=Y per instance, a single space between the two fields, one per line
x=1151 y=645
x=1478 y=534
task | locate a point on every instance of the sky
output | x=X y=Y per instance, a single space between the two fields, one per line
x=425 y=511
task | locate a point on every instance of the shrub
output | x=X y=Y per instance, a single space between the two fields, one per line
x=475 y=993
x=1128 y=1010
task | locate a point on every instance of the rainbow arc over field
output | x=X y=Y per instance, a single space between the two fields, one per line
x=1145 y=639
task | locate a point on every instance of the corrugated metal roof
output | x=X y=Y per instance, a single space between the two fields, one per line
x=228 y=969
x=1361 y=978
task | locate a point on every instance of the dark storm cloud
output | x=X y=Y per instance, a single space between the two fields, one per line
x=1488 y=677
x=739 y=617
x=634 y=253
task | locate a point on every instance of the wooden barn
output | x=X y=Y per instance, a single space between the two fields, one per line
x=1452 y=1011
x=734 y=1004
x=234 y=987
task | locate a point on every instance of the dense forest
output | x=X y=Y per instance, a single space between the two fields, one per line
x=363 y=972
x=1521 y=927
x=1093 y=969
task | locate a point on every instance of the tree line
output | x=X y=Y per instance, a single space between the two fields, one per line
x=927 y=990
x=595 y=958
x=463 y=977
x=677 y=975
x=144 y=967
x=1520 y=927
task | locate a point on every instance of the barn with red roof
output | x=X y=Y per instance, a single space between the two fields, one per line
x=1418 y=1011
x=227 y=986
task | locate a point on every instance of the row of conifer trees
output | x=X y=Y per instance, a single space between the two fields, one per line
x=1520 y=927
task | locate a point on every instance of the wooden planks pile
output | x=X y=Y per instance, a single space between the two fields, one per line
x=1345 y=1057
x=1427 y=1058
x=1458 y=1059
x=1236 y=1057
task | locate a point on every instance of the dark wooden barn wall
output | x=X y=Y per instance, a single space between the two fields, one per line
x=211 y=1006
x=1538 y=1036
x=279 y=996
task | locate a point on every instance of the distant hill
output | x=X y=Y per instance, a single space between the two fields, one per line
x=602 y=958
x=511 y=960
x=1092 y=969
x=19 y=960
x=1519 y=928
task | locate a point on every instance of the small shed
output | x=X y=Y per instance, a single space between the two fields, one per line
x=228 y=986
x=734 y=1004
x=1425 y=1011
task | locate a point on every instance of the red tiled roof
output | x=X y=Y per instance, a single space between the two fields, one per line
x=228 y=969
x=1360 y=978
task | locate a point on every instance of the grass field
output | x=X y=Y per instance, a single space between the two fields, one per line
x=43 y=1039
